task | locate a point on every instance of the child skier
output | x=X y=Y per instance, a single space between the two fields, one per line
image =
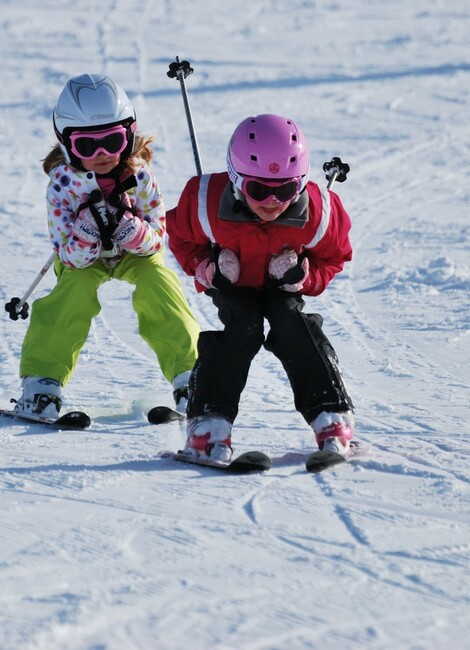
x=106 y=220
x=256 y=239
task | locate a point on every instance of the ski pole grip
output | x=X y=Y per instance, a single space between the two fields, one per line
x=336 y=170
x=179 y=68
x=17 y=308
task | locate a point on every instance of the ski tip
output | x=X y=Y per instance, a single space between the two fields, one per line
x=321 y=460
x=251 y=461
x=164 y=415
x=73 y=419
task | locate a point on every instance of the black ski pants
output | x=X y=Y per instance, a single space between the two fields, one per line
x=296 y=339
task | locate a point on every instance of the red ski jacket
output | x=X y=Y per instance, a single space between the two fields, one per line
x=208 y=213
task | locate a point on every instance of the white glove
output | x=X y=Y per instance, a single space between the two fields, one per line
x=229 y=265
x=85 y=229
x=298 y=286
x=229 y=268
x=129 y=231
x=281 y=264
x=205 y=272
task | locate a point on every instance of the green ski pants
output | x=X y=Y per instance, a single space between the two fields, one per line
x=60 y=322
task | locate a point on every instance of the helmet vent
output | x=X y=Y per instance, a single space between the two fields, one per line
x=253 y=157
x=252 y=135
x=294 y=137
x=293 y=159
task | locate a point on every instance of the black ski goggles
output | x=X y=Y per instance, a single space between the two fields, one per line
x=260 y=190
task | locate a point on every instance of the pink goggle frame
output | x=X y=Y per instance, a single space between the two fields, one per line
x=86 y=145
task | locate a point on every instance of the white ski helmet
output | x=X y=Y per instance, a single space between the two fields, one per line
x=92 y=102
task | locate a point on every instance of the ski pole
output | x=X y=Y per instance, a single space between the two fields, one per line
x=181 y=70
x=336 y=171
x=18 y=306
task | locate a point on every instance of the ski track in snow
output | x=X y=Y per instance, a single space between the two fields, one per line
x=103 y=545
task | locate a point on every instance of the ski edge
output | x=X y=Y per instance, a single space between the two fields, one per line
x=250 y=461
x=72 y=420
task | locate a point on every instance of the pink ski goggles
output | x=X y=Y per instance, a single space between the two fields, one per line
x=88 y=144
x=260 y=190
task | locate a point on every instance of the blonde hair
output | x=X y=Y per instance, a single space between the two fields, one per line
x=142 y=153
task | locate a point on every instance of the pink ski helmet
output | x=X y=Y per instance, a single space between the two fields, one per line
x=268 y=146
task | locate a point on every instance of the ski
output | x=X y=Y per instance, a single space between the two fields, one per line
x=250 y=461
x=325 y=459
x=164 y=415
x=71 y=420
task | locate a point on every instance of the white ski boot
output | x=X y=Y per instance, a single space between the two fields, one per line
x=209 y=437
x=41 y=396
x=334 y=431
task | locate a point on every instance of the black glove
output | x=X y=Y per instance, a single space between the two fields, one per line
x=220 y=281
x=286 y=268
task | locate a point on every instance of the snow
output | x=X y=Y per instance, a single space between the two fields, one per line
x=104 y=546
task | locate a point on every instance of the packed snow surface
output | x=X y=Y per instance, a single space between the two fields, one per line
x=105 y=546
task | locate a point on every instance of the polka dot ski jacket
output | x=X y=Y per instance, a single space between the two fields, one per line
x=68 y=189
